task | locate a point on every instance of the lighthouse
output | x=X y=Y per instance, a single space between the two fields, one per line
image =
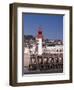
x=39 y=42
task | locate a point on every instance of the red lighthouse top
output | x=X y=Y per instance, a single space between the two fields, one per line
x=39 y=34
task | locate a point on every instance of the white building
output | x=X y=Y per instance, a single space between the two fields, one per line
x=26 y=56
x=56 y=49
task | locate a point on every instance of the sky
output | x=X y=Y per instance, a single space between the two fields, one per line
x=51 y=25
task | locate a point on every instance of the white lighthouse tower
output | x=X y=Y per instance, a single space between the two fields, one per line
x=39 y=42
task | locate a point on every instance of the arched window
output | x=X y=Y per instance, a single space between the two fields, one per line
x=57 y=50
x=60 y=50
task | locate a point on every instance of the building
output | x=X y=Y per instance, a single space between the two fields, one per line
x=38 y=49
